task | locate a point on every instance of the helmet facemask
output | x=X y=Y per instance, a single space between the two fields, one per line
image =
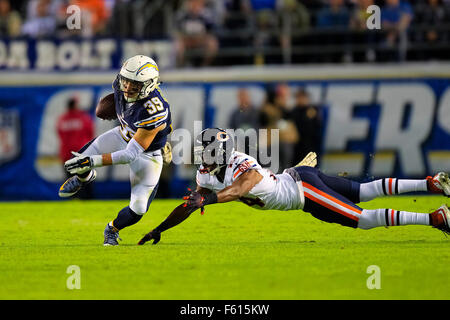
x=214 y=152
x=139 y=90
x=209 y=160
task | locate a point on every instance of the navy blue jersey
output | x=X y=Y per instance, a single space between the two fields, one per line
x=147 y=113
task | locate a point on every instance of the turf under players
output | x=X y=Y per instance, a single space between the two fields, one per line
x=145 y=122
x=226 y=175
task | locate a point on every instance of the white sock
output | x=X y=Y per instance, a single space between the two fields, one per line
x=390 y=186
x=389 y=217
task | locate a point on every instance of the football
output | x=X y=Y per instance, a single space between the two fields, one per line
x=106 y=109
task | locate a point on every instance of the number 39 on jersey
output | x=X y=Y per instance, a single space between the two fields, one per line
x=154 y=105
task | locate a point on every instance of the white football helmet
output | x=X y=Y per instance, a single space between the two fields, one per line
x=140 y=72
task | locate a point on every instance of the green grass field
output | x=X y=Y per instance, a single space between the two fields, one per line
x=232 y=252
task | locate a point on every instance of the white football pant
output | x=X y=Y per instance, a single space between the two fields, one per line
x=144 y=171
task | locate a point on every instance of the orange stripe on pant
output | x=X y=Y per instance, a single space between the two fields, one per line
x=348 y=215
x=327 y=205
x=323 y=194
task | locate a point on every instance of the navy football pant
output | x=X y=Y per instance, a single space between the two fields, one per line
x=330 y=199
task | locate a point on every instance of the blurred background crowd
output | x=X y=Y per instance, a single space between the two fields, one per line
x=298 y=120
x=234 y=32
x=259 y=51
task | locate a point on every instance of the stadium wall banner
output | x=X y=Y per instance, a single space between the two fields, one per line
x=78 y=54
x=377 y=123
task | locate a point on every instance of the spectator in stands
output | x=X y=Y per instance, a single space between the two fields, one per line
x=432 y=16
x=75 y=128
x=94 y=16
x=358 y=20
x=53 y=7
x=308 y=122
x=294 y=21
x=237 y=30
x=10 y=21
x=396 y=18
x=246 y=114
x=275 y=114
x=122 y=22
x=265 y=24
x=264 y=36
x=288 y=132
x=41 y=20
x=335 y=14
x=334 y=19
x=313 y=6
x=358 y=23
x=218 y=9
x=236 y=15
x=194 y=25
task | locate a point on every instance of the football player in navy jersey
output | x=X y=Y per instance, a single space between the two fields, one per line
x=145 y=122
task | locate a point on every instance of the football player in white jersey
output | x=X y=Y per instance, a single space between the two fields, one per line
x=226 y=175
x=145 y=122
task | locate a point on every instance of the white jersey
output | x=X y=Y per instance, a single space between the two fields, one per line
x=273 y=192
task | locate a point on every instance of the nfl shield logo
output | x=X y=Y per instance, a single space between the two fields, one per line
x=9 y=135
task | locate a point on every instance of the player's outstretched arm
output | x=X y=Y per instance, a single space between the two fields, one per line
x=178 y=215
x=238 y=188
x=137 y=145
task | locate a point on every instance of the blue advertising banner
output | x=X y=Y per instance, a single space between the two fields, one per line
x=372 y=128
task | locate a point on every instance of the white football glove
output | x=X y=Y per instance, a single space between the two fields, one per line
x=80 y=164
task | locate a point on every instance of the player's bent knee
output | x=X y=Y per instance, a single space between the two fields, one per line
x=141 y=198
x=140 y=201
x=139 y=206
